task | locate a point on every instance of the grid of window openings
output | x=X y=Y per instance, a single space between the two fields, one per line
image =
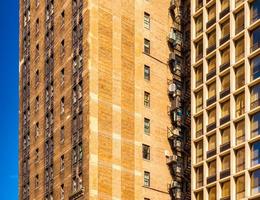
x=225 y=99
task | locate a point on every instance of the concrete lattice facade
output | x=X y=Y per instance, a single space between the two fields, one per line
x=225 y=99
x=82 y=91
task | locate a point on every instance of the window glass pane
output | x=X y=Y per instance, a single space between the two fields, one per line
x=199 y=151
x=240 y=77
x=255 y=182
x=212 y=193
x=212 y=12
x=226 y=189
x=240 y=104
x=255 y=67
x=240 y=187
x=255 y=153
x=212 y=116
x=226 y=162
x=225 y=107
x=255 y=124
x=212 y=64
x=240 y=132
x=225 y=136
x=212 y=142
x=212 y=90
x=225 y=28
x=212 y=168
x=240 y=160
x=225 y=82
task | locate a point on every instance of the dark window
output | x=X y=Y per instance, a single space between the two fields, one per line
x=147 y=20
x=255 y=11
x=147 y=72
x=255 y=154
x=255 y=182
x=62 y=134
x=255 y=67
x=255 y=124
x=146 y=126
x=62 y=163
x=147 y=99
x=147 y=179
x=146 y=152
x=146 y=46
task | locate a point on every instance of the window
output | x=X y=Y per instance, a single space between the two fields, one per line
x=240 y=187
x=225 y=57
x=255 y=39
x=212 y=39
x=37 y=26
x=212 y=64
x=37 y=104
x=62 y=163
x=255 y=96
x=212 y=168
x=212 y=116
x=146 y=152
x=199 y=50
x=147 y=99
x=224 y=4
x=225 y=82
x=199 y=4
x=199 y=24
x=225 y=136
x=212 y=90
x=240 y=132
x=62 y=105
x=255 y=182
x=37 y=155
x=37 y=129
x=37 y=3
x=199 y=75
x=146 y=126
x=199 y=126
x=147 y=20
x=212 y=12
x=37 y=78
x=212 y=193
x=199 y=151
x=225 y=190
x=199 y=176
x=62 y=76
x=225 y=109
x=255 y=11
x=147 y=73
x=62 y=193
x=147 y=179
x=255 y=67
x=240 y=159
x=255 y=124
x=62 y=134
x=240 y=76
x=37 y=181
x=199 y=101
x=212 y=142
x=199 y=195
x=255 y=154
x=240 y=104
x=225 y=161
x=62 y=47
x=239 y=21
x=146 y=46
x=225 y=30
x=239 y=49
x=37 y=51
x=62 y=18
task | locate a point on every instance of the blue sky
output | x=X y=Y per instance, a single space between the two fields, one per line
x=9 y=99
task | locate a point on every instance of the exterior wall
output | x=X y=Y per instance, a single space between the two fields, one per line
x=113 y=88
x=235 y=6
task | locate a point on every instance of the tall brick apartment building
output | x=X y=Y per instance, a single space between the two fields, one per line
x=104 y=100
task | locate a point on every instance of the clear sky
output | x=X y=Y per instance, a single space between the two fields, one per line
x=9 y=99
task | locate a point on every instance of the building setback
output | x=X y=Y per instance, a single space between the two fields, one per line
x=96 y=100
x=225 y=38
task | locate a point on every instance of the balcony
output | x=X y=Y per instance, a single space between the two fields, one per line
x=224 y=66
x=224 y=12
x=76 y=195
x=211 y=22
x=224 y=39
x=211 y=100
x=211 y=153
x=211 y=127
x=255 y=104
x=224 y=92
x=211 y=74
x=225 y=173
x=173 y=133
x=224 y=120
x=255 y=46
x=171 y=159
x=211 y=48
x=224 y=147
x=211 y=179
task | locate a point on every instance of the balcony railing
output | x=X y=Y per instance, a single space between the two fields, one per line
x=255 y=46
x=255 y=104
x=211 y=153
x=211 y=179
x=224 y=39
x=224 y=66
x=224 y=12
x=211 y=74
x=224 y=119
x=211 y=22
x=211 y=126
x=211 y=48
x=211 y=100
x=224 y=147
x=224 y=92
x=224 y=173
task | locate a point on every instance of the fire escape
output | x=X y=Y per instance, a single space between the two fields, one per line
x=26 y=103
x=179 y=162
x=77 y=101
x=49 y=98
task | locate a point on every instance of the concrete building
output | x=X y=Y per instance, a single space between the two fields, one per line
x=225 y=38
x=94 y=100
